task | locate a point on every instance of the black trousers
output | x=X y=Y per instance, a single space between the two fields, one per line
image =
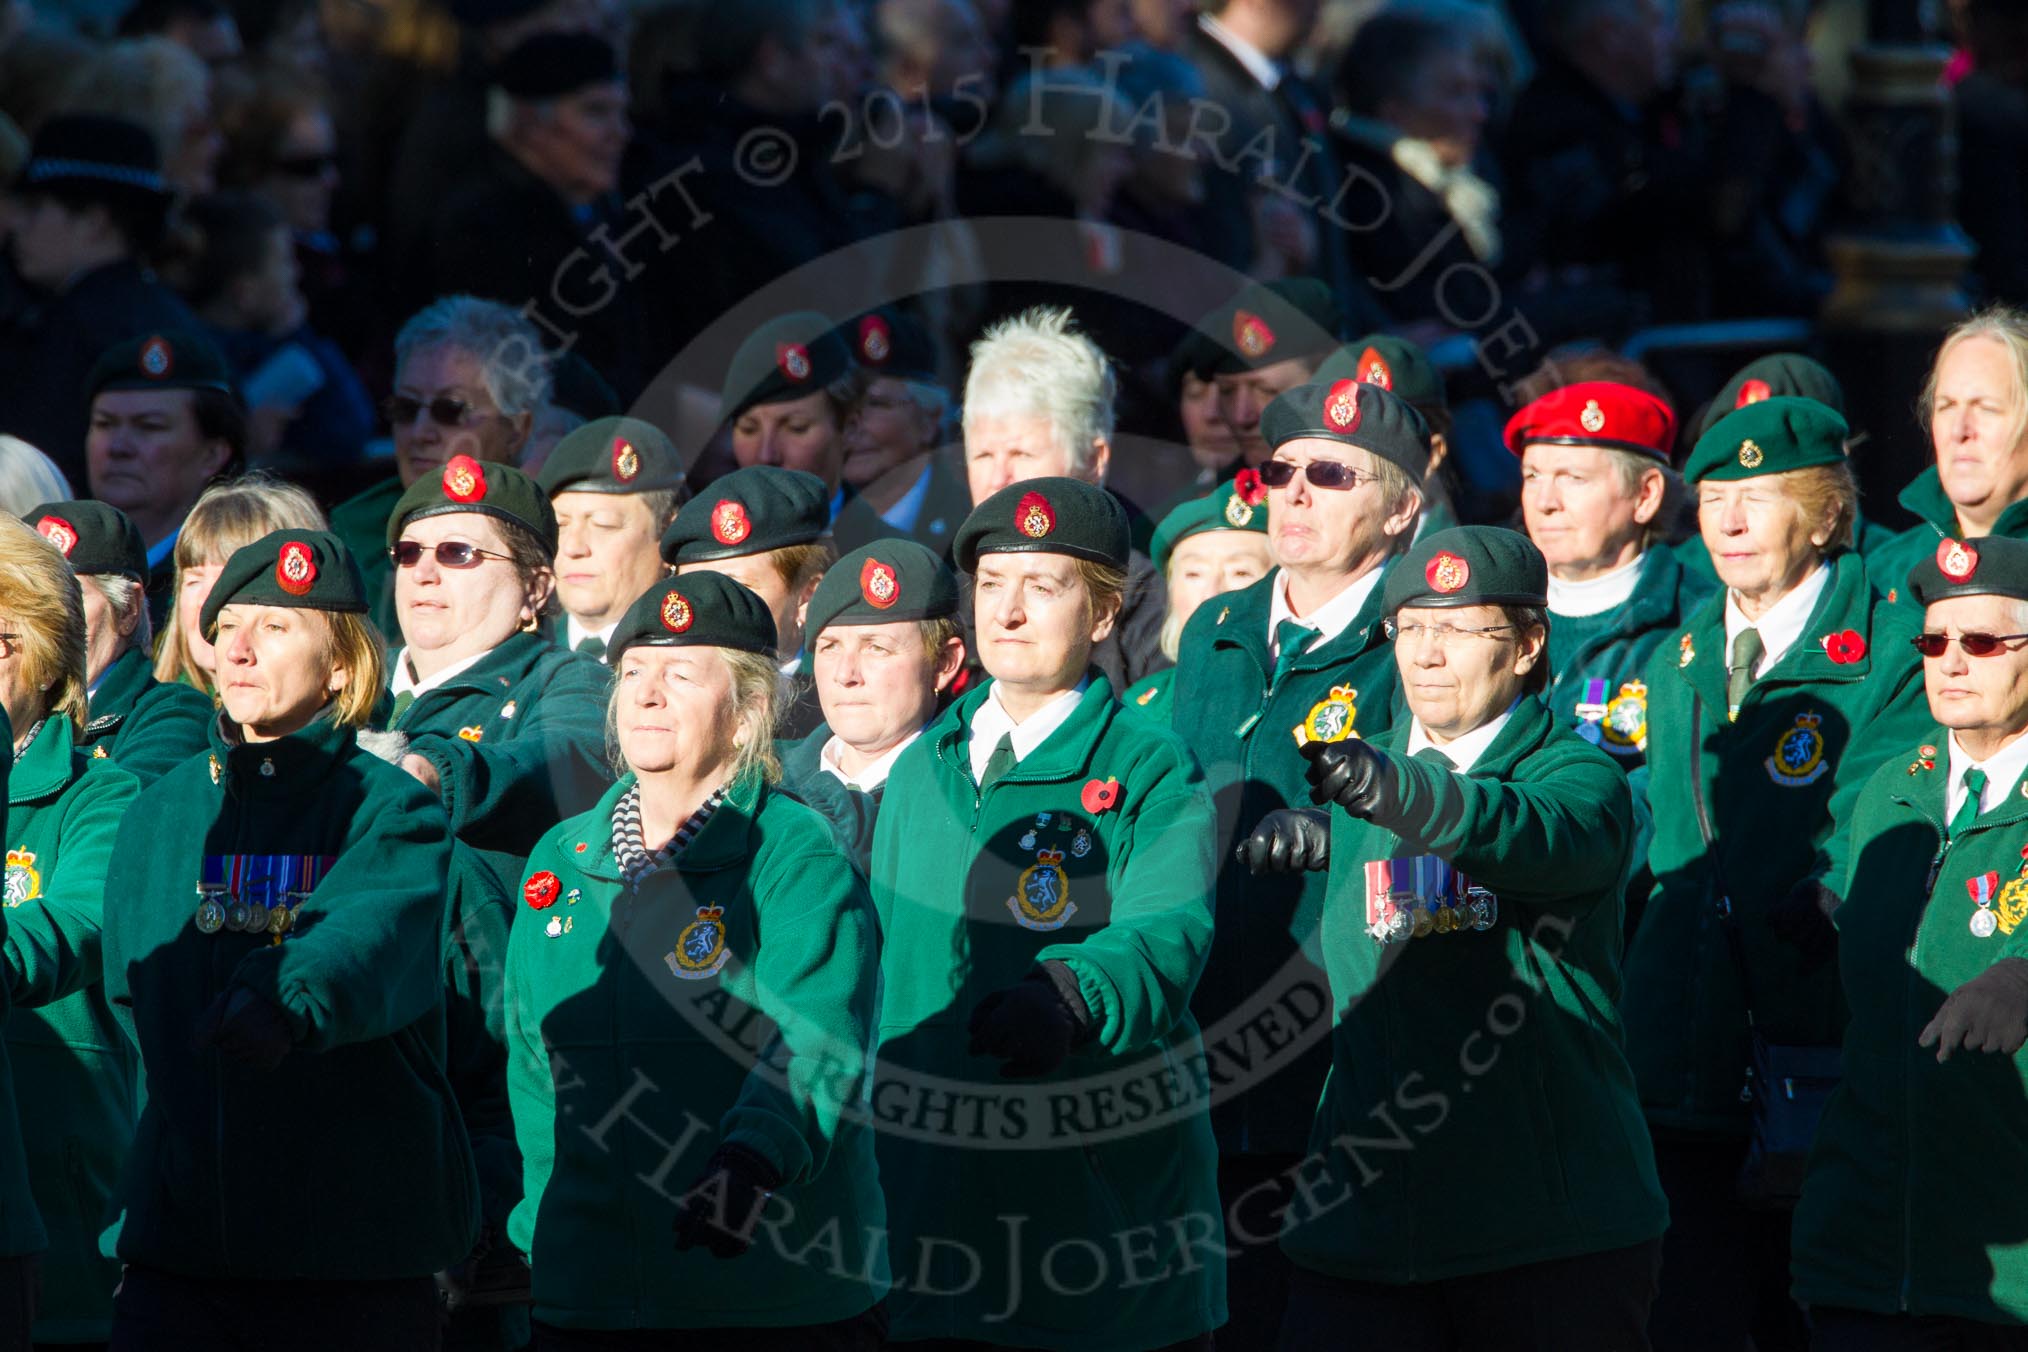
x=1725 y=1267
x=861 y=1333
x=1595 y=1302
x=1253 y=1190
x=1857 y=1331
x=157 y=1311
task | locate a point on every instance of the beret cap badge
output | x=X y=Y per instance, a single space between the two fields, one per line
x=676 y=612
x=1238 y=511
x=1034 y=517
x=879 y=584
x=296 y=569
x=59 y=533
x=1593 y=418
x=793 y=360
x=1251 y=334
x=626 y=460
x=1957 y=560
x=464 y=481
x=1374 y=370
x=1750 y=454
x=876 y=343
x=158 y=359
x=1341 y=406
x=729 y=522
x=1447 y=573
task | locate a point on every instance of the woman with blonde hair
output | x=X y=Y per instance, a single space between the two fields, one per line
x=228 y=517
x=695 y=884
x=71 y=1060
x=279 y=940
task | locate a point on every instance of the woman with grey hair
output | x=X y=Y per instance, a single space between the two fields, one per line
x=470 y=376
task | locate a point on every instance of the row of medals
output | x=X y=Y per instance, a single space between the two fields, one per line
x=240 y=916
x=1412 y=920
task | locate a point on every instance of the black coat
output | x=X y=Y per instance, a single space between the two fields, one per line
x=1993 y=181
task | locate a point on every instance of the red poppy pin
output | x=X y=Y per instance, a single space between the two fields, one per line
x=1374 y=370
x=1100 y=795
x=464 y=481
x=1753 y=392
x=1957 y=559
x=296 y=569
x=1844 y=648
x=879 y=584
x=1251 y=490
x=729 y=522
x=1033 y=516
x=876 y=342
x=1341 y=406
x=59 y=533
x=793 y=361
x=676 y=613
x=542 y=889
x=626 y=460
x=1447 y=572
x=1251 y=335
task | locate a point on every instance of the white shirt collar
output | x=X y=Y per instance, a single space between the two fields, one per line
x=404 y=682
x=1464 y=752
x=1595 y=596
x=2003 y=771
x=874 y=775
x=577 y=633
x=1330 y=619
x=908 y=506
x=992 y=722
x=1258 y=63
x=1783 y=623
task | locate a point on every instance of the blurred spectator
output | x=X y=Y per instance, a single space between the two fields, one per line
x=36 y=66
x=89 y=206
x=528 y=224
x=162 y=86
x=578 y=395
x=1410 y=112
x=28 y=477
x=1164 y=24
x=206 y=28
x=930 y=48
x=285 y=33
x=1992 y=117
x=1163 y=195
x=896 y=479
x=240 y=277
x=1057 y=33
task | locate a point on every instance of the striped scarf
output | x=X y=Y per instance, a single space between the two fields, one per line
x=631 y=852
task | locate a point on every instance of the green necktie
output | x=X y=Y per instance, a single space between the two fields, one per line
x=401 y=703
x=1000 y=762
x=1746 y=650
x=1968 y=811
x=1291 y=638
x=591 y=645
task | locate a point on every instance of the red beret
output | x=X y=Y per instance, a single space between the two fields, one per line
x=1596 y=413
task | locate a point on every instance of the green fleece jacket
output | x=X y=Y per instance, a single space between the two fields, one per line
x=1241 y=731
x=349 y=1161
x=1913 y=1202
x=518 y=740
x=1480 y=1112
x=850 y=811
x=1090 y=851
x=21 y=1229
x=728 y=1000
x=70 y=1057
x=1936 y=518
x=148 y=726
x=1778 y=784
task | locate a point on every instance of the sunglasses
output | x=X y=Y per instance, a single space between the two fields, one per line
x=449 y=554
x=1975 y=645
x=1320 y=473
x=400 y=410
x=306 y=166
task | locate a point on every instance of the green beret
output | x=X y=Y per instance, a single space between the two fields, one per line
x=1394 y=364
x=1351 y=413
x=1289 y=319
x=1771 y=377
x=1468 y=566
x=307 y=569
x=1046 y=516
x=613 y=455
x=1993 y=566
x=749 y=511
x=95 y=536
x=468 y=485
x=885 y=581
x=784 y=359
x=173 y=359
x=1771 y=437
x=701 y=609
x=1239 y=505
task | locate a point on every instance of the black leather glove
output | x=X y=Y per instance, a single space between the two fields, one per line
x=1032 y=1025
x=719 y=1209
x=1289 y=840
x=246 y=1027
x=1802 y=919
x=1351 y=774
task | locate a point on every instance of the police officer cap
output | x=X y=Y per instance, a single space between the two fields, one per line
x=1772 y=376
x=1239 y=505
x=613 y=455
x=783 y=360
x=888 y=342
x=1351 y=413
x=1469 y=566
x=1771 y=437
x=94 y=536
x=306 y=569
x=1391 y=363
x=173 y=359
x=551 y=65
x=1046 y=516
x=885 y=581
x=1993 y=566
x=1289 y=319
x=1596 y=413
x=701 y=609
x=488 y=488
x=749 y=511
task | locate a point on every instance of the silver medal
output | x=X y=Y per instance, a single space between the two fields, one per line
x=210 y=916
x=236 y=917
x=1984 y=923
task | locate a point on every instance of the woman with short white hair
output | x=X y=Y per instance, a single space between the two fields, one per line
x=27 y=477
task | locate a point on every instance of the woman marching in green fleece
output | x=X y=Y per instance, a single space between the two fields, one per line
x=1479 y=1172
x=1042 y=870
x=299 y=1170
x=689 y=1001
